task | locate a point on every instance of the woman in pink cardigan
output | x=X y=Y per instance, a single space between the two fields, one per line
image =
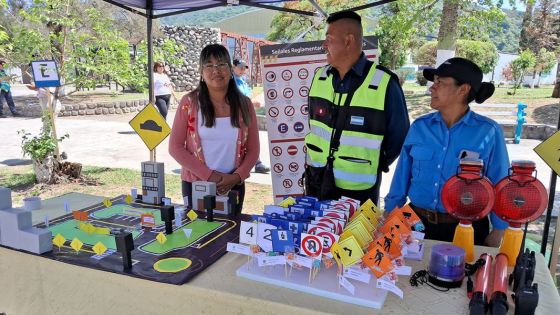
x=214 y=135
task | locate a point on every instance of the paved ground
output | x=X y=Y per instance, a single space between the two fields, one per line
x=110 y=141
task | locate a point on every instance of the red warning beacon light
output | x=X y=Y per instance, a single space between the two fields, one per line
x=520 y=198
x=468 y=196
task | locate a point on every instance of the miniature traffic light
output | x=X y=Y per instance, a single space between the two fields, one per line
x=167 y=216
x=209 y=205
x=125 y=245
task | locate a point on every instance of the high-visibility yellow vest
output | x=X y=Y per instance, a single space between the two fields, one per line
x=357 y=159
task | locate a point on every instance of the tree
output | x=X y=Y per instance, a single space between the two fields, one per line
x=481 y=16
x=545 y=61
x=3 y=35
x=524 y=40
x=401 y=22
x=426 y=54
x=288 y=26
x=540 y=36
x=484 y=54
x=520 y=66
x=81 y=39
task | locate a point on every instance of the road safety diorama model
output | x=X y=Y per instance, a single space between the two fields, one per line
x=140 y=234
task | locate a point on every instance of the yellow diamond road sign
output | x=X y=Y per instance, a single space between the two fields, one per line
x=150 y=126
x=549 y=151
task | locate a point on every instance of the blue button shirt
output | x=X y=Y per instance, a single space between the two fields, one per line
x=396 y=113
x=430 y=156
x=243 y=86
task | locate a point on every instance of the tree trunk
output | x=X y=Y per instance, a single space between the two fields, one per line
x=556 y=91
x=533 y=79
x=527 y=17
x=45 y=170
x=447 y=35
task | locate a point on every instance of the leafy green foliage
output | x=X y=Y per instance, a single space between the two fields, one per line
x=40 y=146
x=520 y=66
x=401 y=22
x=288 y=26
x=420 y=79
x=84 y=41
x=426 y=54
x=484 y=54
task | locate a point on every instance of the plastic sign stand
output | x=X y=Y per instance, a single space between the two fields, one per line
x=325 y=284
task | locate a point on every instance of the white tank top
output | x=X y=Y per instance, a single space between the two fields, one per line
x=219 y=144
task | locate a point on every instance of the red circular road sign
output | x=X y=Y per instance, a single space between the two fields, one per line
x=300 y=182
x=273 y=112
x=272 y=94
x=303 y=91
x=287 y=183
x=289 y=110
x=328 y=240
x=311 y=245
x=278 y=168
x=292 y=150
x=334 y=222
x=288 y=93
x=304 y=109
x=293 y=167
x=286 y=75
x=270 y=76
x=276 y=151
x=303 y=73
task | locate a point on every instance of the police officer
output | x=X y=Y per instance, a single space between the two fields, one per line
x=357 y=116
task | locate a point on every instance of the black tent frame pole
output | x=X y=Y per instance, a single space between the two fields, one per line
x=551 y=195
x=149 y=20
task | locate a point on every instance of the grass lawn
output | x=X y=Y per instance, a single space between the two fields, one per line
x=111 y=182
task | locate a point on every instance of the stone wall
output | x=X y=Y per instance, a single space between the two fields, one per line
x=186 y=76
x=29 y=107
x=103 y=108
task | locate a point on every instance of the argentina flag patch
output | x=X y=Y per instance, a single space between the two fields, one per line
x=357 y=120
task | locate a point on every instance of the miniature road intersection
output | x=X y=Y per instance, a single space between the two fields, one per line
x=176 y=261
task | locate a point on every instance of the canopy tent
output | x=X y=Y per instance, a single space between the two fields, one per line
x=153 y=9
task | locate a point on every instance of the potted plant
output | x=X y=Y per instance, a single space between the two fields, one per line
x=41 y=149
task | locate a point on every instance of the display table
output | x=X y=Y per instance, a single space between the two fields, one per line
x=35 y=285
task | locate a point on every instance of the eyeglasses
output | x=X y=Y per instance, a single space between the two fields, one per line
x=210 y=67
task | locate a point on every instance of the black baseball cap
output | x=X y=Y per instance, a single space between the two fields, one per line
x=461 y=69
x=240 y=63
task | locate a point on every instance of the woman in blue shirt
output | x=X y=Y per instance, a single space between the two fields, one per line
x=437 y=141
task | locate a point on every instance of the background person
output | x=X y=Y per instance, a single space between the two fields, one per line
x=239 y=69
x=6 y=93
x=372 y=131
x=214 y=135
x=163 y=88
x=437 y=141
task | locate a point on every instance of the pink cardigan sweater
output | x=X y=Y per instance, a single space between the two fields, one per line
x=185 y=146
